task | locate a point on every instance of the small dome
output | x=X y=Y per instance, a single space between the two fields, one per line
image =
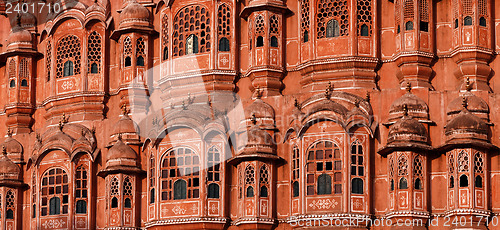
x=8 y=170
x=12 y=146
x=26 y=20
x=466 y=125
x=134 y=14
x=327 y=105
x=417 y=108
x=121 y=151
x=96 y=7
x=125 y=126
x=257 y=141
x=19 y=36
x=61 y=138
x=262 y=112
x=475 y=105
x=407 y=129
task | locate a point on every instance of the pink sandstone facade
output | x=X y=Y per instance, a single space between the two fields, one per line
x=250 y=114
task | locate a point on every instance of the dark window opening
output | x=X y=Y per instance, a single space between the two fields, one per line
x=424 y=26
x=127 y=203
x=418 y=184
x=250 y=192
x=140 y=61
x=409 y=25
x=213 y=191
x=152 y=196
x=114 y=202
x=180 y=188
x=33 y=214
x=357 y=186
x=468 y=21
x=478 y=182
x=68 y=68
x=81 y=207
x=24 y=83
x=94 y=68
x=55 y=206
x=399 y=29
x=260 y=41
x=9 y=215
x=296 y=189
x=165 y=53
x=274 y=41
x=324 y=184
x=456 y=23
x=224 y=45
x=192 y=44
x=392 y=185
x=263 y=191
x=306 y=36
x=332 y=29
x=482 y=21
x=128 y=61
x=452 y=182
x=364 y=30
x=464 y=181
x=12 y=83
x=403 y=183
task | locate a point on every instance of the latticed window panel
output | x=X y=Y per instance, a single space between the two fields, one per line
x=68 y=49
x=12 y=69
x=152 y=172
x=478 y=163
x=483 y=8
x=24 y=72
x=127 y=187
x=408 y=9
x=418 y=167
x=364 y=11
x=114 y=187
x=140 y=49
x=81 y=182
x=397 y=6
x=259 y=25
x=249 y=175
x=191 y=20
x=264 y=175
x=391 y=167
x=357 y=159
x=165 y=36
x=332 y=9
x=10 y=200
x=324 y=164
x=463 y=162
x=451 y=163
x=468 y=7
x=55 y=184
x=424 y=10
x=213 y=164
x=94 y=50
x=224 y=20
x=274 y=24
x=127 y=46
x=180 y=163
x=402 y=165
x=305 y=21
x=295 y=163
x=48 y=59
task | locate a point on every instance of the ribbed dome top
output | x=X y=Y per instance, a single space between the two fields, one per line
x=12 y=146
x=7 y=167
x=134 y=14
x=260 y=109
x=125 y=125
x=417 y=107
x=466 y=122
x=407 y=129
x=121 y=150
x=19 y=35
x=475 y=105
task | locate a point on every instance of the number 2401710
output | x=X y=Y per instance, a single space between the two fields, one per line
x=33 y=8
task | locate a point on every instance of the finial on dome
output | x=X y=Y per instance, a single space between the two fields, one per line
x=328 y=91
x=119 y=136
x=9 y=132
x=258 y=92
x=4 y=150
x=468 y=85
x=124 y=110
x=408 y=86
x=356 y=102
x=64 y=119
x=464 y=102
x=18 y=20
x=253 y=119
x=38 y=137
x=368 y=97
x=405 y=110
x=296 y=104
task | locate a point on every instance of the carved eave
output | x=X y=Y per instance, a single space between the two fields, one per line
x=428 y=122
x=413 y=57
x=472 y=53
x=19 y=52
x=404 y=146
x=133 y=29
x=279 y=8
x=250 y=156
x=130 y=170
x=13 y=184
x=467 y=143
x=339 y=63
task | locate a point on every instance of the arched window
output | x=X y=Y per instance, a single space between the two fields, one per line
x=357 y=159
x=296 y=189
x=332 y=29
x=192 y=20
x=357 y=186
x=323 y=161
x=152 y=196
x=478 y=182
x=180 y=187
x=264 y=181
x=68 y=68
x=424 y=26
x=114 y=202
x=274 y=41
x=260 y=41
x=55 y=192
x=9 y=215
x=409 y=25
x=324 y=184
x=250 y=191
x=418 y=183
x=364 y=30
x=81 y=207
x=213 y=190
x=452 y=182
x=128 y=61
x=213 y=165
x=192 y=44
x=306 y=36
x=140 y=61
x=94 y=68
x=392 y=185
x=12 y=83
x=263 y=191
x=180 y=164
x=152 y=178
x=48 y=59
x=456 y=23
x=468 y=21
x=165 y=53
x=55 y=206
x=403 y=183
x=10 y=204
x=224 y=45
x=127 y=203
x=399 y=29
x=482 y=21
x=464 y=181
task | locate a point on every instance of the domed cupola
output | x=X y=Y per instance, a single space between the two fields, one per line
x=9 y=171
x=417 y=108
x=475 y=105
x=96 y=10
x=258 y=141
x=134 y=15
x=120 y=154
x=19 y=38
x=13 y=148
x=26 y=20
x=126 y=128
x=466 y=125
x=262 y=112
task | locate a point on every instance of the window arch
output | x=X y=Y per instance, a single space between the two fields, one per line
x=482 y=21
x=152 y=178
x=418 y=172
x=140 y=61
x=260 y=41
x=357 y=186
x=364 y=30
x=464 y=181
x=165 y=53
x=213 y=191
x=250 y=191
x=418 y=183
x=128 y=192
x=128 y=61
x=274 y=41
x=249 y=180
x=12 y=83
x=10 y=204
x=180 y=164
x=224 y=45
x=127 y=203
x=264 y=181
x=114 y=191
x=324 y=158
x=364 y=17
x=295 y=171
x=192 y=44
x=224 y=27
x=127 y=51
x=468 y=21
x=403 y=183
x=68 y=69
x=81 y=193
x=165 y=36
x=324 y=184
x=81 y=207
x=478 y=182
x=452 y=182
x=332 y=29
x=180 y=188
x=152 y=196
x=213 y=171
x=191 y=20
x=55 y=188
x=140 y=51
x=94 y=52
x=296 y=189
x=304 y=19
x=24 y=72
x=68 y=49
x=114 y=202
x=12 y=73
x=409 y=25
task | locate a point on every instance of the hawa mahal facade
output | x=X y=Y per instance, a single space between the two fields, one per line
x=250 y=114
